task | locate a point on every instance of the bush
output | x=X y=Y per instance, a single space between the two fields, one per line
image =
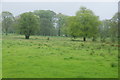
x=101 y=54
x=114 y=64
x=118 y=55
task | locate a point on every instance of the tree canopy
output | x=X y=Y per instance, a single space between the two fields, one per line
x=28 y=24
x=46 y=20
x=84 y=24
x=7 y=20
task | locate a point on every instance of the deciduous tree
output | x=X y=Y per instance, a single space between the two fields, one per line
x=28 y=24
x=7 y=20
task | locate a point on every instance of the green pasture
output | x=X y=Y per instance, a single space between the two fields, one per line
x=58 y=57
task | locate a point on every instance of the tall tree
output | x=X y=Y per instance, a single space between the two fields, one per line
x=7 y=20
x=72 y=27
x=61 y=20
x=28 y=24
x=65 y=26
x=109 y=28
x=114 y=27
x=46 y=22
x=104 y=30
x=88 y=22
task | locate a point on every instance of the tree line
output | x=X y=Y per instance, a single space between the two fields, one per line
x=84 y=24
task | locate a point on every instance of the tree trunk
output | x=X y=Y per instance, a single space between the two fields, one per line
x=66 y=35
x=27 y=36
x=93 y=39
x=6 y=33
x=59 y=32
x=84 y=38
x=74 y=37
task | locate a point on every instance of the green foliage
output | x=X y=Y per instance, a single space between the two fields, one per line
x=7 y=21
x=88 y=22
x=73 y=26
x=109 y=28
x=61 y=21
x=47 y=23
x=114 y=64
x=84 y=24
x=114 y=28
x=46 y=20
x=28 y=24
x=104 y=30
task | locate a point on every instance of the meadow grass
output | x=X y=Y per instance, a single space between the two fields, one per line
x=58 y=57
x=0 y=56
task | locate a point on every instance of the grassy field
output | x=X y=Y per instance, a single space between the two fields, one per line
x=58 y=57
x=0 y=56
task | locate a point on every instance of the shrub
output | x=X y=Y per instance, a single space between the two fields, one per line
x=118 y=55
x=68 y=58
x=101 y=54
x=113 y=64
x=92 y=52
x=82 y=44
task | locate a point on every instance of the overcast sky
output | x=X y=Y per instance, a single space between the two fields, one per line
x=105 y=10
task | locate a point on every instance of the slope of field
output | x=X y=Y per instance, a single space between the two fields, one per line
x=58 y=57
